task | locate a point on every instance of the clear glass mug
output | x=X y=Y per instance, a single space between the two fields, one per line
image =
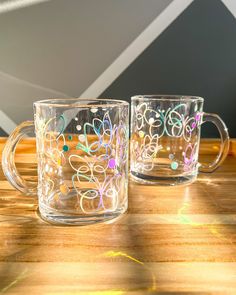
x=165 y=136
x=82 y=151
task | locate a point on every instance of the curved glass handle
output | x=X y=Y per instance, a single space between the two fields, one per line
x=224 y=147
x=8 y=163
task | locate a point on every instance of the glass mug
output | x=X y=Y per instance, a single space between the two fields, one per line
x=165 y=136
x=82 y=151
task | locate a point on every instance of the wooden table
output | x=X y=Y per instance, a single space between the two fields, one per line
x=173 y=240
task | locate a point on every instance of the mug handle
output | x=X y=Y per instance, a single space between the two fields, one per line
x=8 y=163
x=224 y=147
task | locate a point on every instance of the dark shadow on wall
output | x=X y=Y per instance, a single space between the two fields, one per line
x=195 y=55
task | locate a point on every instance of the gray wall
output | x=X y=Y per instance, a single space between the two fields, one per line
x=59 y=47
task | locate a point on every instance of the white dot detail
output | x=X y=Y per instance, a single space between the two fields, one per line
x=94 y=110
x=76 y=119
x=78 y=127
x=81 y=137
x=151 y=121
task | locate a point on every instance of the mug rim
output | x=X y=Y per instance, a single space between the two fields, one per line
x=73 y=102
x=167 y=97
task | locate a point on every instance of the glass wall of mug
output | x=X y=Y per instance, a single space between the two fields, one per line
x=82 y=149
x=165 y=136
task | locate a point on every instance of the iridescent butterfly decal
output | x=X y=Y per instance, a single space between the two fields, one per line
x=95 y=193
x=146 y=152
x=98 y=136
x=190 y=156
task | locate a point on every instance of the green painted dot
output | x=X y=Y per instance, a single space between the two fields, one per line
x=174 y=165
x=70 y=137
x=65 y=148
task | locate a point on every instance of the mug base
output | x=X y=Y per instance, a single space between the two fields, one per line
x=160 y=180
x=57 y=218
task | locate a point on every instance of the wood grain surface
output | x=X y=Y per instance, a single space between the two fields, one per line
x=173 y=240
